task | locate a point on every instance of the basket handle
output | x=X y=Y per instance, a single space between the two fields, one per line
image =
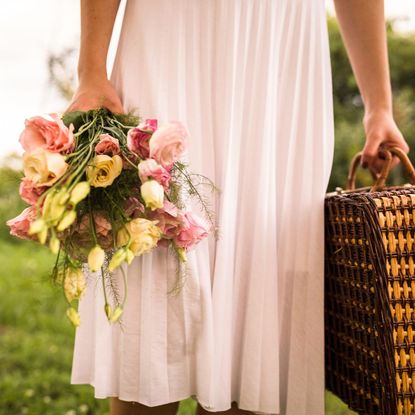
x=381 y=177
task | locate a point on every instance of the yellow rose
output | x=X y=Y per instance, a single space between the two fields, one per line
x=144 y=235
x=153 y=194
x=74 y=284
x=103 y=170
x=43 y=167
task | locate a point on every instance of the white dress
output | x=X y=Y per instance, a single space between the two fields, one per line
x=251 y=81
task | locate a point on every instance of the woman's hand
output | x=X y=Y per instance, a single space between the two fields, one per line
x=380 y=128
x=95 y=94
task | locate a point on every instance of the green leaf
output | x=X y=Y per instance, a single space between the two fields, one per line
x=74 y=117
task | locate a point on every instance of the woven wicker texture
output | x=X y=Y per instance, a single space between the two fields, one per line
x=370 y=295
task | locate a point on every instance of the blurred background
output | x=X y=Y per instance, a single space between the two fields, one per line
x=38 y=50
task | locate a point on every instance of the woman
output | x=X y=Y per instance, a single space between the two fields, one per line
x=251 y=81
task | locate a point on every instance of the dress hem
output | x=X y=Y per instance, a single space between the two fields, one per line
x=178 y=399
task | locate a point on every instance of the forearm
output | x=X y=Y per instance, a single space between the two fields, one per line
x=97 y=22
x=362 y=25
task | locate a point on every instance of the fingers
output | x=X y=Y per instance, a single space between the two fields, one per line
x=370 y=152
x=373 y=159
x=115 y=107
x=74 y=106
x=378 y=165
x=96 y=95
x=86 y=105
x=381 y=129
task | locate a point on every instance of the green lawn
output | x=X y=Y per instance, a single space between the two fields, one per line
x=36 y=342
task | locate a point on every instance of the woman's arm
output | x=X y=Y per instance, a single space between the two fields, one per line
x=95 y=90
x=362 y=25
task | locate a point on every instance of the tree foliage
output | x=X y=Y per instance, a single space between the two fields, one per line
x=348 y=106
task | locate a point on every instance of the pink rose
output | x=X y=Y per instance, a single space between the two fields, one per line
x=148 y=125
x=193 y=229
x=137 y=142
x=49 y=134
x=138 y=138
x=19 y=226
x=133 y=208
x=169 y=217
x=149 y=168
x=29 y=192
x=168 y=143
x=103 y=229
x=107 y=145
x=102 y=224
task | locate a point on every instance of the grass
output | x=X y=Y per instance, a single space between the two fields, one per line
x=36 y=342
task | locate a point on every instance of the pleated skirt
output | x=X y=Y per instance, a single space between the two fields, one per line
x=251 y=81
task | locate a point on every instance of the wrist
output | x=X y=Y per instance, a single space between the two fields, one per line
x=92 y=73
x=378 y=111
x=380 y=104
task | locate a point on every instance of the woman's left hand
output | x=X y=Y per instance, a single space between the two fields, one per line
x=380 y=128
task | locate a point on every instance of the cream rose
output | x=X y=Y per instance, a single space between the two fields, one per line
x=43 y=168
x=144 y=235
x=103 y=170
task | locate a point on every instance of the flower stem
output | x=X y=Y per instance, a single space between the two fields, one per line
x=127 y=127
x=124 y=277
x=103 y=286
x=85 y=126
x=115 y=205
x=92 y=221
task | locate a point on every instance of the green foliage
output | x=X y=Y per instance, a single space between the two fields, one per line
x=35 y=340
x=36 y=343
x=10 y=202
x=80 y=118
x=334 y=406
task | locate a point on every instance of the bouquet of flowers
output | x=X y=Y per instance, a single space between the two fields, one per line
x=104 y=188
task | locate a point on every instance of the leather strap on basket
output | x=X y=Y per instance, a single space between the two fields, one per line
x=381 y=177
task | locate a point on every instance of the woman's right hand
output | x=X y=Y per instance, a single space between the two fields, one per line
x=93 y=94
x=380 y=128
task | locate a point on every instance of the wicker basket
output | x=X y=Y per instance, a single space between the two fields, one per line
x=370 y=292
